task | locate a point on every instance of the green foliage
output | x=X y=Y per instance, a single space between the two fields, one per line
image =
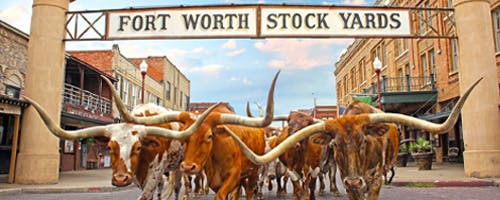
x=420 y=146
x=403 y=148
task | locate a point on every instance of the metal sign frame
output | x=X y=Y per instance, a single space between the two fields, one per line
x=95 y=24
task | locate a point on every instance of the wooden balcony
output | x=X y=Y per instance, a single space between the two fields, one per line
x=86 y=104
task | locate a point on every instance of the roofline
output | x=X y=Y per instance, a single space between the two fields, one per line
x=14 y=29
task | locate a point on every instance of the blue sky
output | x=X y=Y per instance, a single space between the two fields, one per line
x=231 y=70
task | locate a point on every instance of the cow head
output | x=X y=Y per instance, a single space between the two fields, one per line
x=125 y=138
x=127 y=148
x=199 y=145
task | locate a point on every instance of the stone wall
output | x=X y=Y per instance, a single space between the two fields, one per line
x=13 y=56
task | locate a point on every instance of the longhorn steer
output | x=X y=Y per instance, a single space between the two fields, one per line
x=302 y=161
x=125 y=140
x=211 y=149
x=392 y=136
x=353 y=145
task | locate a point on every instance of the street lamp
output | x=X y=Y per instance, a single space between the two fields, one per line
x=144 y=68
x=377 y=65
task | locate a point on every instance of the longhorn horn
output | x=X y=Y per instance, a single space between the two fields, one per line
x=281 y=148
x=254 y=122
x=167 y=117
x=61 y=133
x=422 y=124
x=179 y=135
x=249 y=113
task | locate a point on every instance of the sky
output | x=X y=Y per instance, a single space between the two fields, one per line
x=230 y=70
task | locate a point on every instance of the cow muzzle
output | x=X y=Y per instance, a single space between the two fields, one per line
x=190 y=168
x=355 y=182
x=121 y=179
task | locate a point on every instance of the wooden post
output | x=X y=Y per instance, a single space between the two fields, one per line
x=13 y=153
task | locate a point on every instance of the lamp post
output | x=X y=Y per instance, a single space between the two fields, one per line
x=377 y=65
x=144 y=68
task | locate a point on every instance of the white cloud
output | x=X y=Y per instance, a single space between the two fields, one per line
x=243 y=80
x=209 y=69
x=355 y=2
x=230 y=44
x=18 y=15
x=235 y=53
x=300 y=54
x=198 y=50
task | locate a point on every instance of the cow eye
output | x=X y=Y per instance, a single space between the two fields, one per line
x=209 y=137
x=138 y=148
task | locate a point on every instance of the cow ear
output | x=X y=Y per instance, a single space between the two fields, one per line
x=321 y=138
x=378 y=129
x=219 y=130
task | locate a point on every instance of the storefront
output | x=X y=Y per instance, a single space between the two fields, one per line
x=10 y=115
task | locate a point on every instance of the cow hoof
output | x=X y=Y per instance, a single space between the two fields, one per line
x=322 y=192
x=336 y=193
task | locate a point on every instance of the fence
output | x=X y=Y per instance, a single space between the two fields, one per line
x=88 y=100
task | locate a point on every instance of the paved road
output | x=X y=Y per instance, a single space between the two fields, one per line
x=388 y=192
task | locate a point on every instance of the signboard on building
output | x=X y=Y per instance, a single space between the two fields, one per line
x=257 y=21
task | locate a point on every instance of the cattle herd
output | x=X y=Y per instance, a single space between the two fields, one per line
x=159 y=149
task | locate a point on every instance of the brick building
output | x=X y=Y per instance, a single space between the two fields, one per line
x=200 y=107
x=419 y=77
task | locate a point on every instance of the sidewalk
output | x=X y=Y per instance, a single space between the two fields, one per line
x=441 y=175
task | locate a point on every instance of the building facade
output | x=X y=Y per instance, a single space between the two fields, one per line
x=175 y=85
x=86 y=103
x=13 y=62
x=419 y=77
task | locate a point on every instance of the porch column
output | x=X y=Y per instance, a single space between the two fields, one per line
x=38 y=160
x=480 y=115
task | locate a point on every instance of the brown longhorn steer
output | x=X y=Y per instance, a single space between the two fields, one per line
x=125 y=139
x=359 y=153
x=211 y=149
x=303 y=160
x=392 y=135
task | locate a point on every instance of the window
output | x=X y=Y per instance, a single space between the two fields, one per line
x=167 y=91
x=407 y=69
x=454 y=55
x=401 y=46
x=12 y=91
x=353 y=78
x=423 y=63
x=384 y=54
x=180 y=101
x=175 y=95
x=118 y=85
x=158 y=101
x=421 y=27
x=432 y=64
x=496 y=20
x=401 y=79
x=450 y=3
x=187 y=102
x=428 y=15
x=134 y=94
x=125 y=91
x=361 y=71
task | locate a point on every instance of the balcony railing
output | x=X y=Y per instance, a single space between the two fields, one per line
x=88 y=100
x=403 y=84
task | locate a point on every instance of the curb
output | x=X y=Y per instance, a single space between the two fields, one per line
x=478 y=183
x=10 y=191
x=40 y=190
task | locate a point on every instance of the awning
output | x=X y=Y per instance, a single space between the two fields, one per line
x=435 y=115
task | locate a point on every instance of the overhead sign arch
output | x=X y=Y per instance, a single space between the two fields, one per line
x=250 y=21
